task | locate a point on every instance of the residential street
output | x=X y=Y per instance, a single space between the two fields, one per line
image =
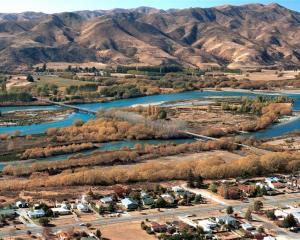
x=202 y=209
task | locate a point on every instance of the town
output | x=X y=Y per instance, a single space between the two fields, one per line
x=255 y=208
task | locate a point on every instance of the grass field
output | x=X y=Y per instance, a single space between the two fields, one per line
x=60 y=82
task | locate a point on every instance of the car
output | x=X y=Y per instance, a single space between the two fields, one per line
x=82 y=224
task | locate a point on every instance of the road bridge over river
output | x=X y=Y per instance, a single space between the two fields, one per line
x=207 y=138
x=74 y=107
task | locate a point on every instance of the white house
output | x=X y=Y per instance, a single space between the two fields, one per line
x=106 y=200
x=36 y=213
x=21 y=204
x=281 y=213
x=273 y=182
x=247 y=227
x=129 y=204
x=62 y=210
x=227 y=220
x=177 y=189
x=168 y=198
x=207 y=225
x=83 y=207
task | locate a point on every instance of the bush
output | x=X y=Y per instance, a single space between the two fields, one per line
x=271 y=215
x=289 y=221
x=229 y=210
x=44 y=221
x=257 y=206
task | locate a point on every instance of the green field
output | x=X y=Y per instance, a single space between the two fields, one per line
x=60 y=82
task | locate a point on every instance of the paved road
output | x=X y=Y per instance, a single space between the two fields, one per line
x=200 y=209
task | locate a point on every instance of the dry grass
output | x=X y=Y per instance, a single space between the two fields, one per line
x=266 y=75
x=128 y=231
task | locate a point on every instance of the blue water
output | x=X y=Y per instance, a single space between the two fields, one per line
x=273 y=131
x=110 y=146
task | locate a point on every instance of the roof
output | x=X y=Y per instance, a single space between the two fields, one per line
x=128 y=201
x=207 y=223
x=178 y=189
x=272 y=179
x=246 y=226
x=36 y=212
x=106 y=199
x=7 y=211
x=227 y=218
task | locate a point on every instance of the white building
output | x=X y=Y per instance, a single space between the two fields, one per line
x=273 y=182
x=37 y=213
x=61 y=210
x=129 y=204
x=106 y=200
x=281 y=213
x=21 y=204
x=247 y=227
x=207 y=225
x=168 y=198
x=83 y=207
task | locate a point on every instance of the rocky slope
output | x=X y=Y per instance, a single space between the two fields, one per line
x=249 y=35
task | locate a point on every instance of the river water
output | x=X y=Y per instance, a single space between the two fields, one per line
x=273 y=131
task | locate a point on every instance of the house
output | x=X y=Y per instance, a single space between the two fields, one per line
x=129 y=204
x=83 y=207
x=85 y=199
x=62 y=210
x=147 y=200
x=21 y=204
x=228 y=220
x=168 y=198
x=36 y=213
x=207 y=225
x=247 y=227
x=106 y=200
x=177 y=189
x=273 y=182
x=281 y=213
x=158 y=228
x=7 y=212
x=263 y=185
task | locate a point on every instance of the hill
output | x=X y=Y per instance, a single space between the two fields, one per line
x=234 y=36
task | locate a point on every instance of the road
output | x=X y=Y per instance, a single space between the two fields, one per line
x=206 y=138
x=200 y=209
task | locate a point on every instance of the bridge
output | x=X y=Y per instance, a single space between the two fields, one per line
x=207 y=138
x=74 y=107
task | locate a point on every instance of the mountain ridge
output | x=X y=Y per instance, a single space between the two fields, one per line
x=234 y=36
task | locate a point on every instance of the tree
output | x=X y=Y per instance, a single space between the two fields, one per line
x=199 y=181
x=213 y=187
x=198 y=198
x=30 y=78
x=289 y=221
x=44 y=221
x=44 y=68
x=229 y=210
x=78 y=123
x=261 y=229
x=98 y=233
x=271 y=214
x=248 y=214
x=257 y=206
x=190 y=179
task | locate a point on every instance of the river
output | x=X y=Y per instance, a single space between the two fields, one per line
x=273 y=131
